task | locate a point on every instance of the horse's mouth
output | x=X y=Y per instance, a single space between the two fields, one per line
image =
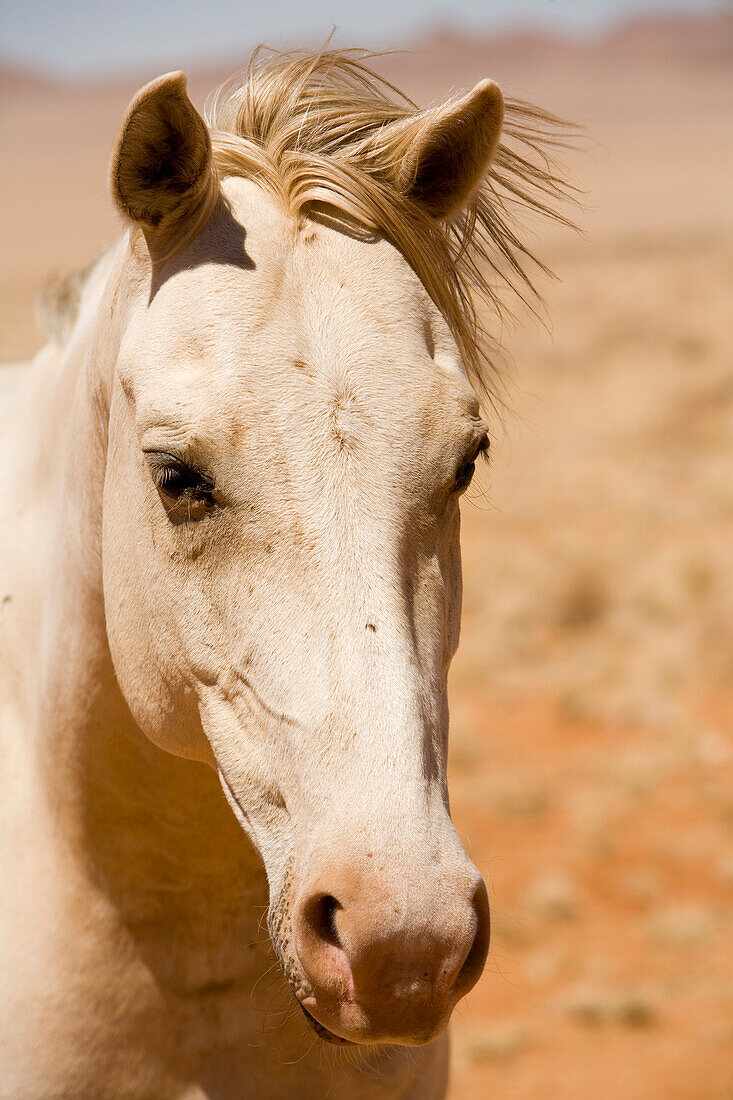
x=323 y=1032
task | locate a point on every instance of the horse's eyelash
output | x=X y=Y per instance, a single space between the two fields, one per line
x=167 y=470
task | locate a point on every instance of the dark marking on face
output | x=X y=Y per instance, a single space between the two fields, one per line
x=429 y=340
x=342 y=406
x=279 y=924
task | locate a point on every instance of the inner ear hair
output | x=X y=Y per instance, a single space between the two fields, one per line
x=162 y=173
x=452 y=150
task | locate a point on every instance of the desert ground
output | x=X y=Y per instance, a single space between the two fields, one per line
x=592 y=698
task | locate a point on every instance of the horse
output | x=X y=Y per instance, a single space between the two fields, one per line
x=230 y=595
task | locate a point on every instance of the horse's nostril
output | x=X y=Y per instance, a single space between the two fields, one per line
x=379 y=972
x=318 y=940
x=323 y=919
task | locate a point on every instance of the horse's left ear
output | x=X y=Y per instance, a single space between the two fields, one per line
x=162 y=173
x=452 y=149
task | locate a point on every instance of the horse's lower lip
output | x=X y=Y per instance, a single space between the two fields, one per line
x=323 y=1032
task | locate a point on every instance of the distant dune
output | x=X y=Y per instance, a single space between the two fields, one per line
x=658 y=87
x=705 y=39
x=689 y=40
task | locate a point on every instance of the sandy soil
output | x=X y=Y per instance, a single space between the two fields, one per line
x=592 y=743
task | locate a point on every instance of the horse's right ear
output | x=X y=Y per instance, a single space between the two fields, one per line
x=451 y=150
x=162 y=173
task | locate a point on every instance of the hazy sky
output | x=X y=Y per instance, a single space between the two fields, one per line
x=94 y=36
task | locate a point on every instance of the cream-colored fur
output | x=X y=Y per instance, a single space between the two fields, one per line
x=287 y=638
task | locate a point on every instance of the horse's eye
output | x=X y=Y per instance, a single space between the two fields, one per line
x=179 y=482
x=466 y=471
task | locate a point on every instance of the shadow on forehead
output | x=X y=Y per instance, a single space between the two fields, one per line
x=222 y=241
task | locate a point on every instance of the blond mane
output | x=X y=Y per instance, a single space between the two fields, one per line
x=327 y=135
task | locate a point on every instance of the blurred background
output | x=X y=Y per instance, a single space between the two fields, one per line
x=592 y=698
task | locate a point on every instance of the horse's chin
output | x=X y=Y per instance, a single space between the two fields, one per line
x=323 y=1032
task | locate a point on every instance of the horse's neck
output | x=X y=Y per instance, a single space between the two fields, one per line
x=149 y=830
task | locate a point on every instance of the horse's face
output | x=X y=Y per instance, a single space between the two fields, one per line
x=290 y=434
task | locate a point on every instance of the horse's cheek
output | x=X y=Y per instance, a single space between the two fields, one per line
x=143 y=643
